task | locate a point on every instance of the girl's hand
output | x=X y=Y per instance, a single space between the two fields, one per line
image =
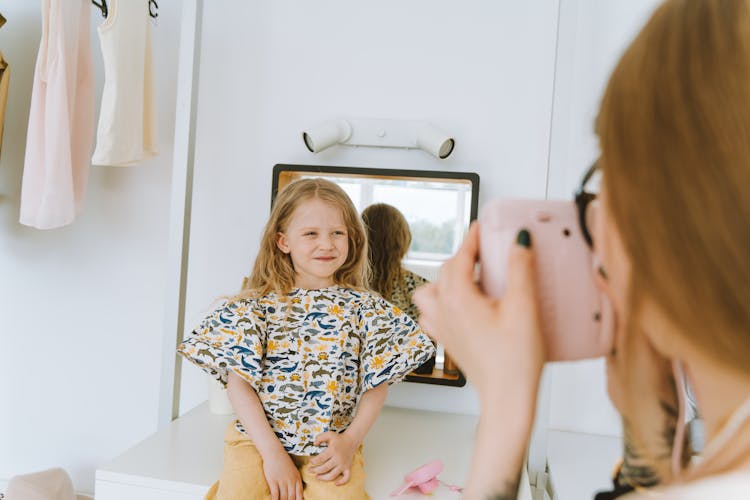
x=336 y=460
x=282 y=476
x=497 y=343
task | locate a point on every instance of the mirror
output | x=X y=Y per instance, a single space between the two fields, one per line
x=438 y=207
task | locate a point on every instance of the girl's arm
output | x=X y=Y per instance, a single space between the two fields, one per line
x=251 y=414
x=367 y=411
x=336 y=461
x=282 y=476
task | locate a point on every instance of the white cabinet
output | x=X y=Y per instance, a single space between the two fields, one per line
x=181 y=461
x=122 y=491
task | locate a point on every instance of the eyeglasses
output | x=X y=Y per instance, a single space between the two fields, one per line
x=584 y=196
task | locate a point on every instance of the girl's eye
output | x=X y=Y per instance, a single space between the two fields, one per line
x=310 y=233
x=339 y=233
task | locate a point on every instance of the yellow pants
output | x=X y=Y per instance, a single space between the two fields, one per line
x=242 y=475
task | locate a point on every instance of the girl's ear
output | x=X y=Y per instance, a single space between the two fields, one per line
x=282 y=243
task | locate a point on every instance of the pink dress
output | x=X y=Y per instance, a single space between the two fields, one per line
x=61 y=119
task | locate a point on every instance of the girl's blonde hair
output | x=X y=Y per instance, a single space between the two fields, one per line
x=389 y=239
x=273 y=270
x=674 y=131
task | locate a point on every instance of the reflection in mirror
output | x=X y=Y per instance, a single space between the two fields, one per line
x=388 y=241
x=437 y=208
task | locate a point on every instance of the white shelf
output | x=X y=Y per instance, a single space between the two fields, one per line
x=184 y=459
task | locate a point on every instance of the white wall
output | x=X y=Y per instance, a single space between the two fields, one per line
x=593 y=35
x=481 y=70
x=81 y=307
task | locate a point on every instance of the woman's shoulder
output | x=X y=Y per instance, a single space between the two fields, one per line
x=729 y=486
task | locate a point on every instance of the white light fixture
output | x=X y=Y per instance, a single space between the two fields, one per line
x=380 y=133
x=326 y=135
x=435 y=142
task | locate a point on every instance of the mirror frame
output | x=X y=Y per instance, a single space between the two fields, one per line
x=437 y=377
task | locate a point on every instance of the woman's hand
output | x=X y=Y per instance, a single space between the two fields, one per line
x=336 y=461
x=282 y=476
x=498 y=345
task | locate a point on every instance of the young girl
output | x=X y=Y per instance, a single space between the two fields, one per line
x=389 y=238
x=300 y=349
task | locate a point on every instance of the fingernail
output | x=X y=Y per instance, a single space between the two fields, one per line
x=524 y=238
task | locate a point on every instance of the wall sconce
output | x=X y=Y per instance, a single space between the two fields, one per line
x=326 y=135
x=380 y=133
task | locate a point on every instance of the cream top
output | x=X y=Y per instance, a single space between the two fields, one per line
x=127 y=120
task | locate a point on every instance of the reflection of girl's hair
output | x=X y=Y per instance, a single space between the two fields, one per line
x=273 y=270
x=389 y=239
x=674 y=131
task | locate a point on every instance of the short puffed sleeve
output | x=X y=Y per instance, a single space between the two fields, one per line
x=231 y=338
x=394 y=345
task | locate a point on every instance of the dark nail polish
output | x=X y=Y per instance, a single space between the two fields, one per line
x=524 y=238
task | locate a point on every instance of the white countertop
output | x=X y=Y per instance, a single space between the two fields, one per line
x=186 y=456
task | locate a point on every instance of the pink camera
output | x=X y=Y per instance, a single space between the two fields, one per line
x=577 y=319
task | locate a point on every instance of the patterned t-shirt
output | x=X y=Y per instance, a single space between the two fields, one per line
x=309 y=355
x=402 y=291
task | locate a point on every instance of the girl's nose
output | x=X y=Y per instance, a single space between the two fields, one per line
x=326 y=241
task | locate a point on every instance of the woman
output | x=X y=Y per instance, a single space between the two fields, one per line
x=673 y=237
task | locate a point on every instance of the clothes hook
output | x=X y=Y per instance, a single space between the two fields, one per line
x=102 y=6
x=155 y=12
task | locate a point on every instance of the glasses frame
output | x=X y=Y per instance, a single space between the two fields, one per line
x=582 y=200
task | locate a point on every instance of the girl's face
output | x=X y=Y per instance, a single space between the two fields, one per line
x=316 y=239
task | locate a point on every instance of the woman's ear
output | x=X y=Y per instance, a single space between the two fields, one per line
x=282 y=242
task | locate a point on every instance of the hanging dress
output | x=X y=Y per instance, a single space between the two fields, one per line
x=127 y=121
x=4 y=81
x=61 y=118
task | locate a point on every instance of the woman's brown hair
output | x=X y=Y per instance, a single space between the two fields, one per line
x=674 y=129
x=674 y=132
x=389 y=238
x=273 y=270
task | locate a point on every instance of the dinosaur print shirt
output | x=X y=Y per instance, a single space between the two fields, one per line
x=309 y=355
